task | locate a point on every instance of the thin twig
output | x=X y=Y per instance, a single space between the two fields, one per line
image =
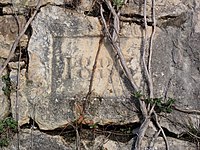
x=152 y=143
x=163 y=133
x=103 y=141
x=144 y=51
x=91 y=7
x=18 y=79
x=113 y=37
x=84 y=144
x=12 y=51
x=150 y=49
x=197 y=112
x=94 y=66
x=146 y=121
x=147 y=71
x=152 y=36
x=118 y=50
x=123 y=62
x=192 y=134
x=141 y=133
x=143 y=129
x=116 y=47
x=78 y=139
x=17 y=96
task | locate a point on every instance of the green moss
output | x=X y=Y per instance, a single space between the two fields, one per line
x=118 y=3
x=7 y=87
x=161 y=106
x=8 y=127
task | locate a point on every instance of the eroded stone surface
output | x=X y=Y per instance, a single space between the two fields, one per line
x=36 y=140
x=174 y=144
x=8 y=33
x=162 y=7
x=62 y=53
x=176 y=67
x=21 y=100
x=4 y=101
x=21 y=6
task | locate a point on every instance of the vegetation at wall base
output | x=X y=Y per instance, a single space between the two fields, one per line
x=8 y=127
x=7 y=88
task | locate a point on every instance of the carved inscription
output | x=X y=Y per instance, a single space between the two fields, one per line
x=82 y=68
x=68 y=67
x=84 y=71
x=72 y=65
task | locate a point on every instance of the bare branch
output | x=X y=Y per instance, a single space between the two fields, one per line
x=147 y=70
x=147 y=73
x=115 y=46
x=12 y=51
x=78 y=140
x=94 y=66
x=152 y=143
x=152 y=36
x=163 y=133
x=193 y=135
x=113 y=40
x=150 y=49
x=197 y=112
x=141 y=133
x=84 y=144
x=18 y=81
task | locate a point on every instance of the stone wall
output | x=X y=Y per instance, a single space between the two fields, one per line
x=57 y=56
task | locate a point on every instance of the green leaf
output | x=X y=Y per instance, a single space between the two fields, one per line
x=4 y=142
x=138 y=94
x=118 y=3
x=1 y=127
x=168 y=110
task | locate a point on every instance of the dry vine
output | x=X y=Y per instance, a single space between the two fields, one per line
x=20 y=33
x=94 y=67
x=18 y=77
x=197 y=112
x=15 y=44
x=113 y=37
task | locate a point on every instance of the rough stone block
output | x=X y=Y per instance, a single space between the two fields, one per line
x=8 y=33
x=4 y=101
x=62 y=53
x=37 y=140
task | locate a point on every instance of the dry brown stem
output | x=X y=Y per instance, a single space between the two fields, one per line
x=113 y=40
x=94 y=66
x=147 y=70
x=14 y=46
x=197 y=112
x=146 y=121
x=152 y=143
x=160 y=128
x=18 y=79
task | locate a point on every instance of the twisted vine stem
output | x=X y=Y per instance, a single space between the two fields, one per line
x=113 y=37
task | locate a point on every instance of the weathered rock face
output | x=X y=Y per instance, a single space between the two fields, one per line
x=36 y=140
x=61 y=52
x=4 y=101
x=8 y=33
x=176 y=64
